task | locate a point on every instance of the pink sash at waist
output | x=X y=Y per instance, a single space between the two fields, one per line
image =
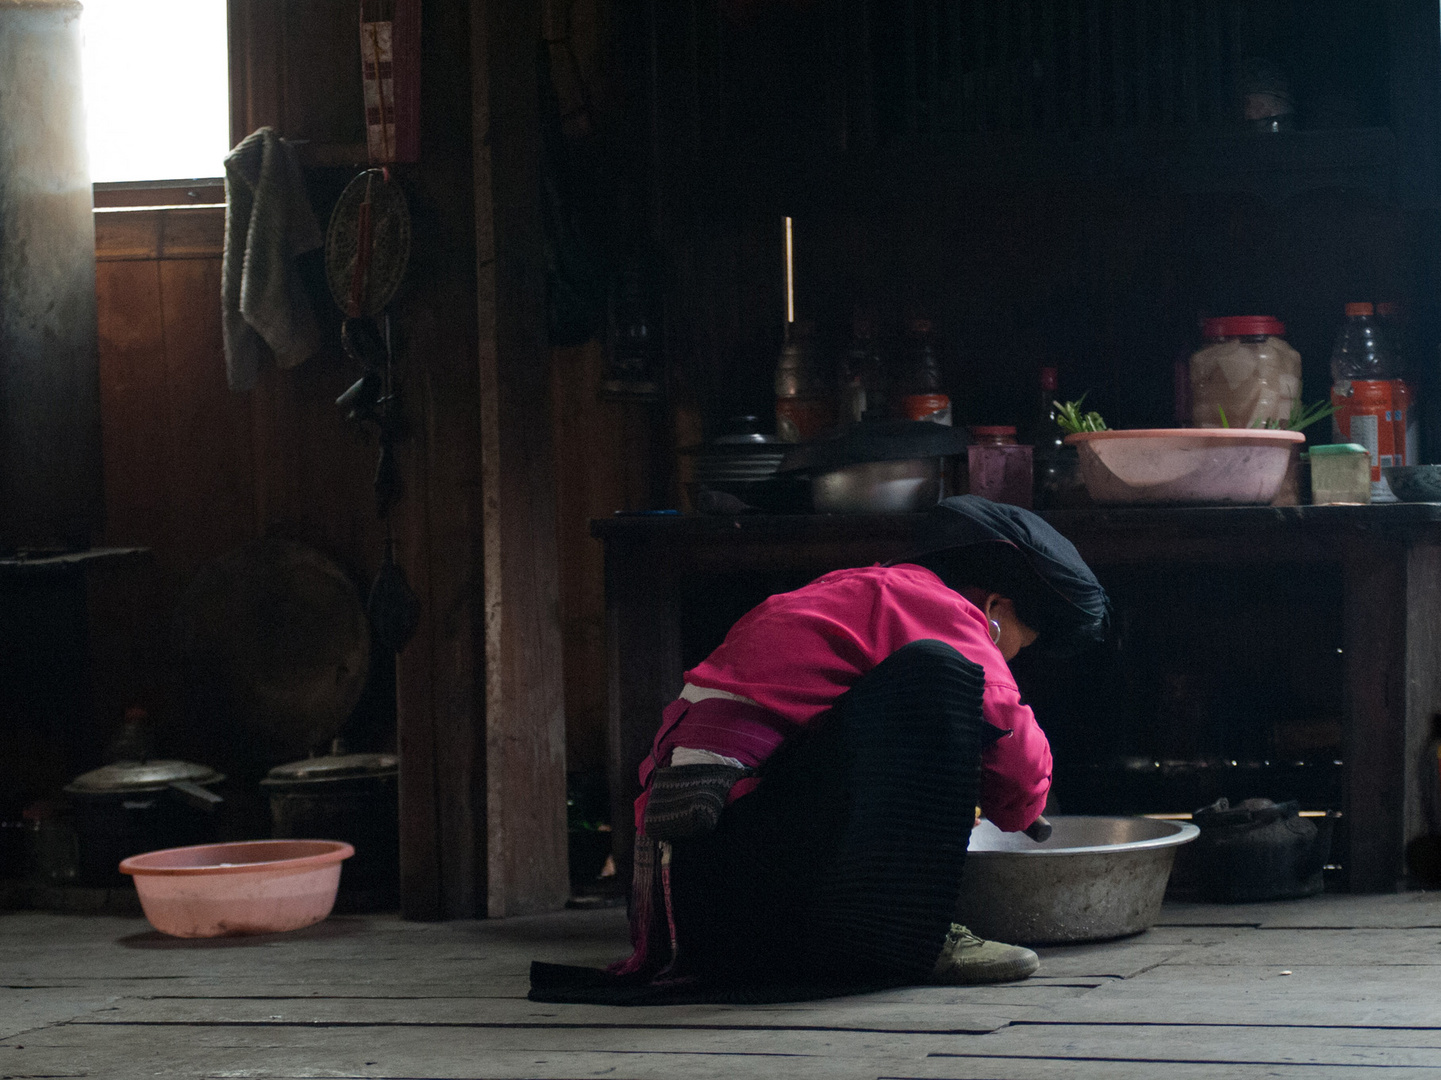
x=735 y=729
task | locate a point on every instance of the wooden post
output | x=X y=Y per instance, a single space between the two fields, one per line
x=525 y=717
x=1375 y=642
x=1423 y=681
x=441 y=675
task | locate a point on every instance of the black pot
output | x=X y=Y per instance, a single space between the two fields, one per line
x=130 y=807
x=1258 y=851
x=349 y=797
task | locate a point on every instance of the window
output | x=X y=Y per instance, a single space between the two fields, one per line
x=156 y=89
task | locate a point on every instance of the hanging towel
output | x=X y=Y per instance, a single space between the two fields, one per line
x=268 y=222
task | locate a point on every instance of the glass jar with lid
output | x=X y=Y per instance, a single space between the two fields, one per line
x=993 y=435
x=1245 y=375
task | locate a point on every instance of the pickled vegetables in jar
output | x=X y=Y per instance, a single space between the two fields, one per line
x=1246 y=375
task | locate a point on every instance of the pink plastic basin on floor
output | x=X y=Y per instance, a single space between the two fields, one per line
x=251 y=887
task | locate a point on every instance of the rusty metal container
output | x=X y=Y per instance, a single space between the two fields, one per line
x=50 y=482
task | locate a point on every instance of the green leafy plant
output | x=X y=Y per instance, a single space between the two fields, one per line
x=1071 y=420
x=1302 y=416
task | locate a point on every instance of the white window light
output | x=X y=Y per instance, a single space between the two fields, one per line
x=157 y=88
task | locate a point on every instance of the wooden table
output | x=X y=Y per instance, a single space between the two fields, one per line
x=661 y=571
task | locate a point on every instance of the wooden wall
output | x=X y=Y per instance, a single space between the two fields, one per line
x=193 y=470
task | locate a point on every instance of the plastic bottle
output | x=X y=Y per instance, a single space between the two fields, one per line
x=1056 y=481
x=805 y=406
x=863 y=377
x=1404 y=398
x=919 y=391
x=1363 y=368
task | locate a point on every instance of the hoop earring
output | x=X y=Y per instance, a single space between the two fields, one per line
x=995 y=632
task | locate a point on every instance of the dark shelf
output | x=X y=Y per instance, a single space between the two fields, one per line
x=1387 y=517
x=1272 y=166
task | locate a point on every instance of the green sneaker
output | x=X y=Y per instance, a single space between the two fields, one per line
x=967 y=960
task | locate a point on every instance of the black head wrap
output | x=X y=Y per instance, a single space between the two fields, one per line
x=971 y=541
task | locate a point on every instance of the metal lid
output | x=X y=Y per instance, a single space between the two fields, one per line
x=334 y=767
x=740 y=435
x=151 y=775
x=876 y=440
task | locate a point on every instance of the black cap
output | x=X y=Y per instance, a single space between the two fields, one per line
x=969 y=540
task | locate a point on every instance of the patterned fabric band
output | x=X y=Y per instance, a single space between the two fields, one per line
x=687 y=800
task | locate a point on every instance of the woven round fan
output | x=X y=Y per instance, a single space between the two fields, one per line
x=367 y=244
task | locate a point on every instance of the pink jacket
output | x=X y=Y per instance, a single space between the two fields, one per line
x=797 y=652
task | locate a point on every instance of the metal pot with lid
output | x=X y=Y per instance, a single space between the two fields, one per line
x=185 y=778
x=349 y=797
x=128 y=807
x=333 y=767
x=1259 y=850
x=736 y=471
x=878 y=466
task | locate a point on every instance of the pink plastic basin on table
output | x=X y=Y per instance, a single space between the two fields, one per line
x=250 y=887
x=1179 y=466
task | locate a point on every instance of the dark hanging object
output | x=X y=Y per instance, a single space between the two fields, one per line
x=273 y=646
x=575 y=283
x=633 y=346
x=394 y=608
x=367 y=244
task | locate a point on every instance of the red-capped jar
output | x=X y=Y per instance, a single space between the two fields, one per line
x=996 y=435
x=1245 y=375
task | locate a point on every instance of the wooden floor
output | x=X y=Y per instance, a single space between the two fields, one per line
x=1335 y=987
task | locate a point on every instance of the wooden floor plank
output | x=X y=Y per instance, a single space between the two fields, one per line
x=1202 y=996
x=411 y=1052
x=1395 y=911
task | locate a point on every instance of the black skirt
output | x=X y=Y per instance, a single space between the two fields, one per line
x=840 y=872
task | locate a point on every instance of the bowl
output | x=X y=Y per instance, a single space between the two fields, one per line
x=251 y=887
x=1414 y=483
x=1094 y=879
x=1184 y=466
x=908 y=486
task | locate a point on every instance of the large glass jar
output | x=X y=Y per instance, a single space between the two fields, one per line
x=1245 y=375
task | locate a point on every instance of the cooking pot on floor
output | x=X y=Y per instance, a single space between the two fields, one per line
x=128 y=807
x=1258 y=850
x=349 y=797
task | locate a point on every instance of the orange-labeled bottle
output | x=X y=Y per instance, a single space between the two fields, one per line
x=1368 y=420
x=1363 y=377
x=919 y=391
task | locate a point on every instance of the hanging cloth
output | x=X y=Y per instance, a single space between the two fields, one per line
x=268 y=222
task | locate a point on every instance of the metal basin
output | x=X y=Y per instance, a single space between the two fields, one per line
x=1095 y=878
